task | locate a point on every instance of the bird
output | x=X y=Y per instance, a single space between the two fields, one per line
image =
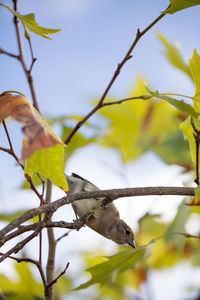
x=104 y=219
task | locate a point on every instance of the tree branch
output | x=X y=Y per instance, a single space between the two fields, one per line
x=114 y=77
x=76 y=224
x=2 y=51
x=21 y=244
x=143 y=97
x=49 y=292
x=109 y=195
x=62 y=273
x=30 y=260
x=22 y=60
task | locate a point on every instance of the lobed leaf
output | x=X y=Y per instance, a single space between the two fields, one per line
x=50 y=163
x=37 y=133
x=188 y=131
x=194 y=63
x=42 y=150
x=139 y=126
x=115 y=264
x=177 y=5
x=173 y=55
x=29 y=23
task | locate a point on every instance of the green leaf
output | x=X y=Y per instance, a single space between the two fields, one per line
x=173 y=55
x=174 y=150
x=178 y=225
x=139 y=126
x=29 y=23
x=177 y=5
x=188 y=131
x=50 y=163
x=151 y=226
x=104 y=272
x=195 y=70
x=178 y=104
x=196 y=200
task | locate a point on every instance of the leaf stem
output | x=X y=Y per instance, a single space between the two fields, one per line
x=175 y=94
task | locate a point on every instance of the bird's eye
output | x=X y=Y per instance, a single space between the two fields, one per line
x=128 y=231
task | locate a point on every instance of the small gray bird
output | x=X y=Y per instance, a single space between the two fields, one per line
x=104 y=220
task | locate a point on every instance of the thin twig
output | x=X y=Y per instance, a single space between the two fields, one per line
x=62 y=273
x=22 y=60
x=2 y=297
x=5 y=150
x=186 y=235
x=30 y=260
x=143 y=97
x=12 y=152
x=2 y=51
x=76 y=224
x=114 y=77
x=63 y=236
x=21 y=244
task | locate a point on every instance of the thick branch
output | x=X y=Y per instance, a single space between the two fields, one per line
x=110 y=195
x=49 y=292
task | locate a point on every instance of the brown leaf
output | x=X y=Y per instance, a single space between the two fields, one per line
x=36 y=135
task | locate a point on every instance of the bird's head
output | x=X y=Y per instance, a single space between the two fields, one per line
x=121 y=233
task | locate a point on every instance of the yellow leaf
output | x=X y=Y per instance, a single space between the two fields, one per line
x=195 y=70
x=50 y=163
x=187 y=130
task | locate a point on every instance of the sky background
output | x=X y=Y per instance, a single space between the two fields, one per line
x=76 y=67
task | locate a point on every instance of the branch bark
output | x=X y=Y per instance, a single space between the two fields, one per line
x=110 y=195
x=21 y=244
x=49 y=290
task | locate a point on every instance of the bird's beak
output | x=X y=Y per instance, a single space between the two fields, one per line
x=132 y=243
